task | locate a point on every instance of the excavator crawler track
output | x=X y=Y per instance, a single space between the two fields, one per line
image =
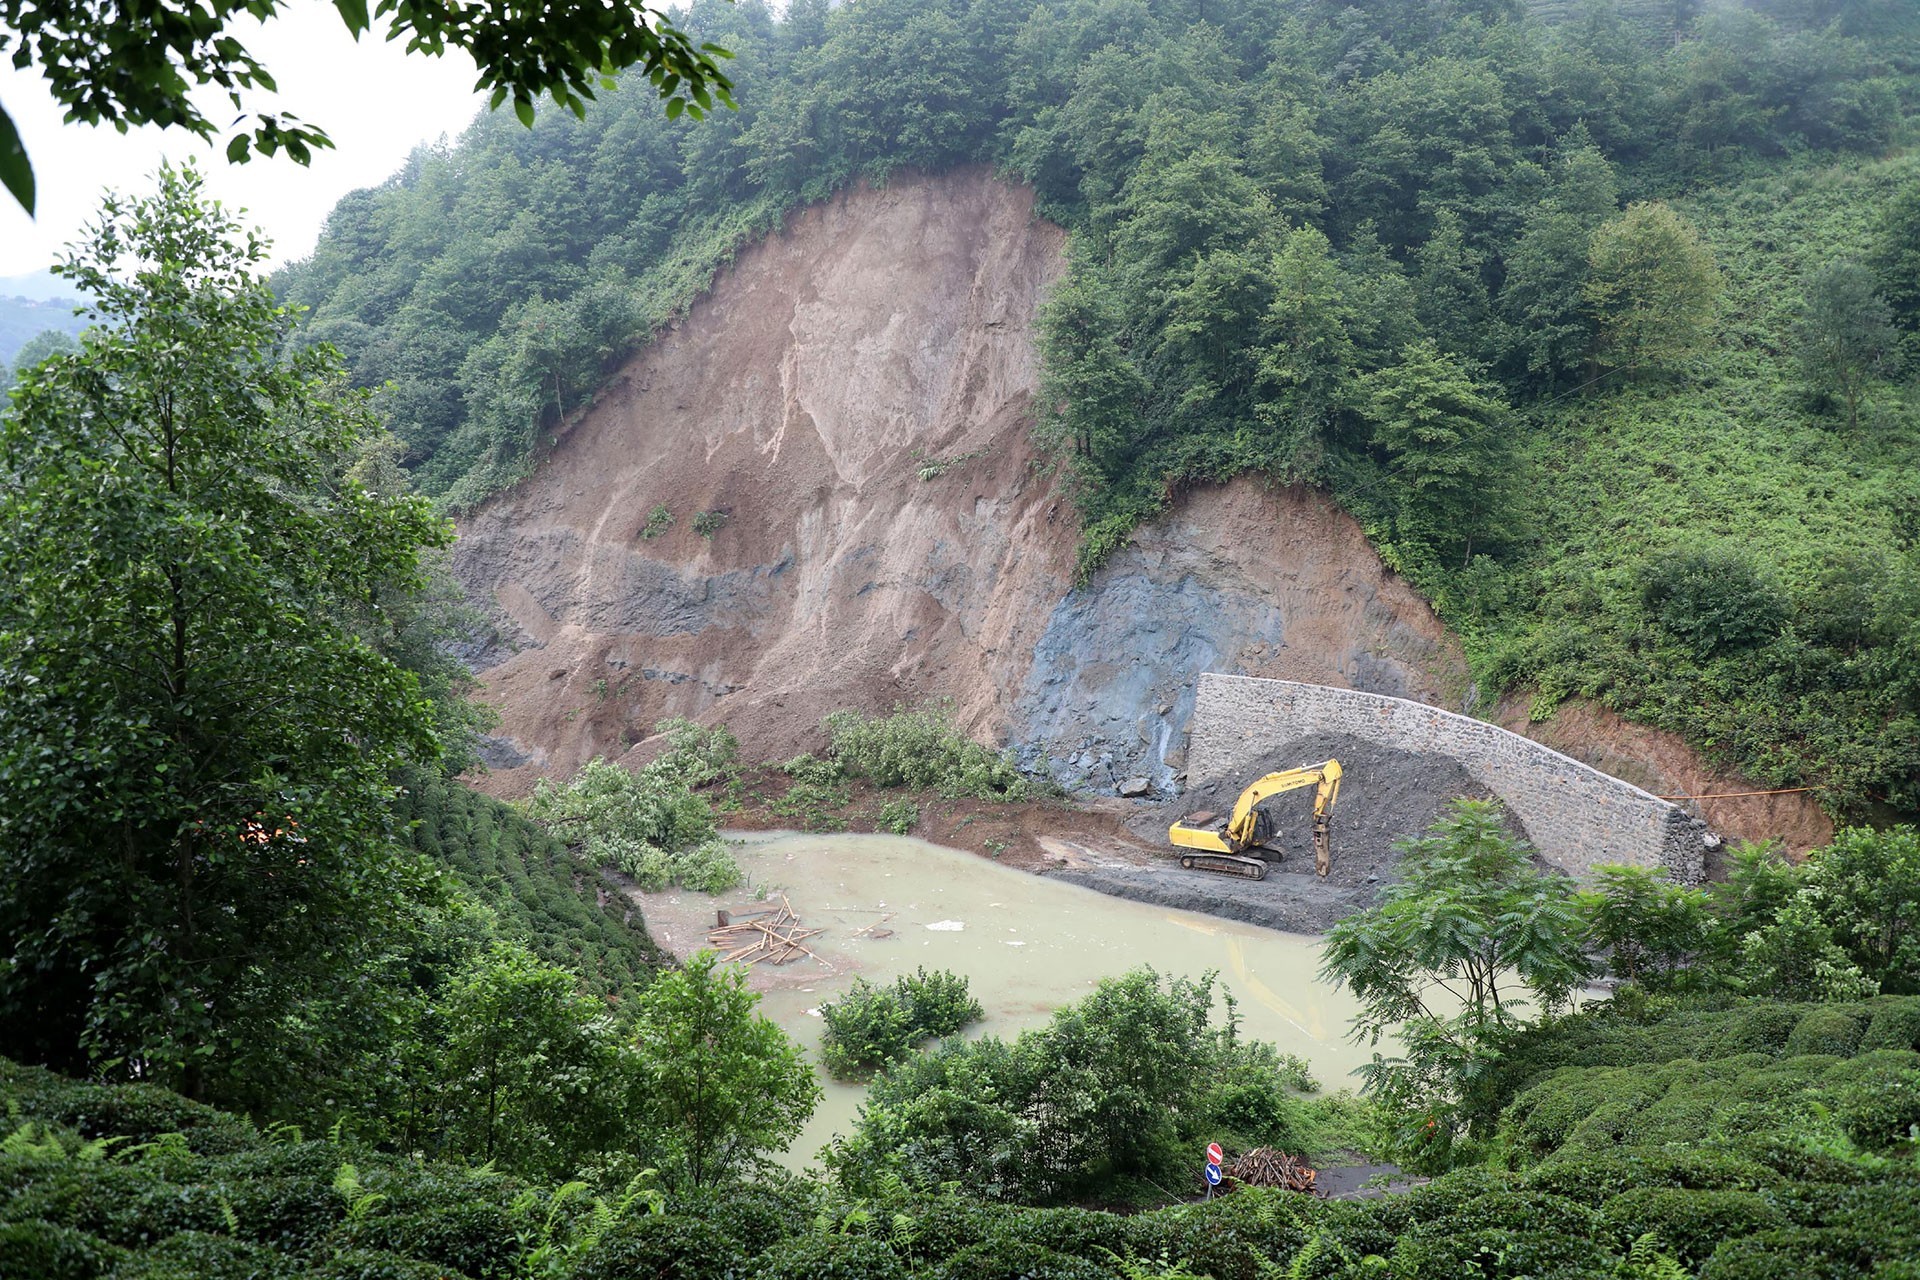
x=1225 y=864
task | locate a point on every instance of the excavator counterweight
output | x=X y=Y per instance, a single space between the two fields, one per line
x=1221 y=846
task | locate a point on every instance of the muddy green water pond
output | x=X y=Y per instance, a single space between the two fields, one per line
x=1026 y=944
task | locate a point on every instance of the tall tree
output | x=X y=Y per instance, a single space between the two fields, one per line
x=723 y=1085
x=1653 y=289
x=1545 y=329
x=1306 y=372
x=1447 y=959
x=1844 y=337
x=1445 y=435
x=195 y=741
x=1896 y=254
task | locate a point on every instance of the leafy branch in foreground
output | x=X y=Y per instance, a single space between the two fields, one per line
x=138 y=65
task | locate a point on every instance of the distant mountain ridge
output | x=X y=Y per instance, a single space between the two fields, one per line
x=22 y=318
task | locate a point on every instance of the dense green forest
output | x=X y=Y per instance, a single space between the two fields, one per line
x=1594 y=313
x=1762 y=1142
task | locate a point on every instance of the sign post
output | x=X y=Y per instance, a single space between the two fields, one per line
x=1214 y=1156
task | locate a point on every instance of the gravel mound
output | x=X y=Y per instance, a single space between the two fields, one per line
x=1386 y=795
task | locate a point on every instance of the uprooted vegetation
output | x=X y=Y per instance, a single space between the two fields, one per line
x=651 y=823
x=914 y=749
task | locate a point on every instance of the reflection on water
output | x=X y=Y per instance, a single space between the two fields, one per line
x=1027 y=945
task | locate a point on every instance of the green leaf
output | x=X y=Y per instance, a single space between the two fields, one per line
x=16 y=173
x=523 y=107
x=354 y=13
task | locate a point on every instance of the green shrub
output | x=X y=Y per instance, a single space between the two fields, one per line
x=870 y=1026
x=755 y=1216
x=1498 y=1253
x=1476 y=1225
x=1825 y=1030
x=829 y=1257
x=1575 y=1102
x=659 y=520
x=1081 y=1233
x=1895 y=1025
x=1763 y=1028
x=919 y=748
x=708 y=867
x=1592 y=1178
x=371 y=1264
x=94 y=1198
x=708 y=523
x=1876 y=1098
x=1690 y=1224
x=289 y=1214
x=43 y=1251
x=475 y=1237
x=649 y=823
x=1712 y=598
x=1229 y=1237
x=134 y=1113
x=1252 y=1101
x=897 y=816
x=817 y=791
x=1797 y=1254
x=999 y=1258
x=670 y=1247
x=195 y=1255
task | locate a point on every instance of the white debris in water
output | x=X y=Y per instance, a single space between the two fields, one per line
x=813 y=1013
x=947 y=926
x=1010 y=942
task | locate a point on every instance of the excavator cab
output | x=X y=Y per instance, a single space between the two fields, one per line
x=1221 y=845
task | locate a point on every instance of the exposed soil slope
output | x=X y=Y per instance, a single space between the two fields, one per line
x=855 y=396
x=883 y=333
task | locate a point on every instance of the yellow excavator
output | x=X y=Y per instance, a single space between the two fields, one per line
x=1223 y=844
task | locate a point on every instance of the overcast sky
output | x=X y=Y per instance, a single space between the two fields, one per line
x=376 y=102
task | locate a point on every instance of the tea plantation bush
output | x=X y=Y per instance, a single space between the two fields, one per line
x=1749 y=1166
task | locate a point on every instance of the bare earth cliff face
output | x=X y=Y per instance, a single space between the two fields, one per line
x=854 y=396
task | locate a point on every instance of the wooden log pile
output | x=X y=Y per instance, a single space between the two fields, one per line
x=773 y=936
x=1266 y=1167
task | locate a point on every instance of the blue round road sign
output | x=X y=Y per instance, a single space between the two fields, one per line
x=1213 y=1175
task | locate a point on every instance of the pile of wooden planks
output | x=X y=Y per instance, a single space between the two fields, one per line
x=1265 y=1167
x=774 y=936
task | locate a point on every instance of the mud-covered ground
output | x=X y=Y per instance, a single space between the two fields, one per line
x=1385 y=796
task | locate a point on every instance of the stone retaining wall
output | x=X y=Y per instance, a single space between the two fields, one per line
x=1579 y=818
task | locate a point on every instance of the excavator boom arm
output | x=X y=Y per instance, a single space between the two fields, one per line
x=1325 y=776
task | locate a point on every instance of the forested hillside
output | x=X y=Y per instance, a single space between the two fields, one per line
x=1593 y=313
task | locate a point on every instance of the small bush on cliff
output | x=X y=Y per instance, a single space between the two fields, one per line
x=897 y=816
x=919 y=747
